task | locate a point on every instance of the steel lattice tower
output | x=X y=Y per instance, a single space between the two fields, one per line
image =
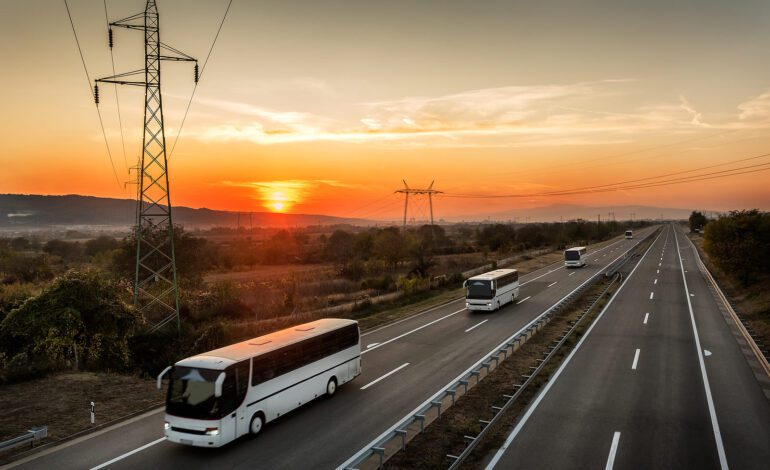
x=430 y=192
x=156 y=293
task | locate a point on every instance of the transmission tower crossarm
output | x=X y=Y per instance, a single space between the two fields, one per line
x=126 y=22
x=179 y=55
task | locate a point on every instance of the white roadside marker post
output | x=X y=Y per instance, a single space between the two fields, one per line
x=93 y=417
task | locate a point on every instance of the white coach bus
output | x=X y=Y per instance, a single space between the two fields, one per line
x=575 y=257
x=218 y=396
x=492 y=290
x=629 y=234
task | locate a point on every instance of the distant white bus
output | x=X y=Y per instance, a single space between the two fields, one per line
x=492 y=290
x=218 y=396
x=629 y=234
x=575 y=257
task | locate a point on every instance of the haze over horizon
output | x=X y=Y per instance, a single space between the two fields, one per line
x=323 y=108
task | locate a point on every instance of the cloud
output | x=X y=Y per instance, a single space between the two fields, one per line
x=756 y=108
x=584 y=113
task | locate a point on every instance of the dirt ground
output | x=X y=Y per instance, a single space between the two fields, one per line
x=62 y=402
x=268 y=272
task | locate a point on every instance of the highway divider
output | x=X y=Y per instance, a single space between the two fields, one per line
x=396 y=437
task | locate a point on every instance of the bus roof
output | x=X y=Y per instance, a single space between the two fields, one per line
x=497 y=273
x=576 y=248
x=223 y=357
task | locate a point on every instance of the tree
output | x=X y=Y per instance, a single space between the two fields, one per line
x=697 y=221
x=79 y=320
x=101 y=244
x=67 y=251
x=389 y=246
x=194 y=255
x=339 y=247
x=739 y=244
x=496 y=237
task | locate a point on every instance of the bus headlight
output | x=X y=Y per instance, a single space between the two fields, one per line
x=166 y=426
x=489 y=304
x=212 y=431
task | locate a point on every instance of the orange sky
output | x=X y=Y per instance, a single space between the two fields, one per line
x=316 y=107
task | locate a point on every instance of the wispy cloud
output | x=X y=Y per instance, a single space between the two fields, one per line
x=585 y=113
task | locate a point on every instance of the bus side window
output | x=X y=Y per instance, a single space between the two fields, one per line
x=227 y=401
x=264 y=368
x=242 y=381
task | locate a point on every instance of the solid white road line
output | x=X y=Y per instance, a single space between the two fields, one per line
x=476 y=325
x=646 y=317
x=531 y=409
x=523 y=300
x=553 y=283
x=652 y=294
x=371 y=345
x=613 y=451
x=385 y=376
x=636 y=360
x=412 y=331
x=706 y=386
x=127 y=454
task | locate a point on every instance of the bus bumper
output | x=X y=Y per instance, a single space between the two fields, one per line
x=191 y=433
x=486 y=307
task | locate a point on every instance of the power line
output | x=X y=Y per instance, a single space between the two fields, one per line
x=98 y=112
x=621 y=184
x=117 y=100
x=195 y=87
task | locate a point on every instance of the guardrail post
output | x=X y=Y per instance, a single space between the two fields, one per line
x=402 y=433
x=437 y=404
x=452 y=392
x=381 y=452
x=421 y=419
x=464 y=383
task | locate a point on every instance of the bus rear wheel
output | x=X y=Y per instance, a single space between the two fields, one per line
x=257 y=422
x=331 y=387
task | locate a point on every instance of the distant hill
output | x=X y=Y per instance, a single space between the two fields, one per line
x=557 y=212
x=29 y=210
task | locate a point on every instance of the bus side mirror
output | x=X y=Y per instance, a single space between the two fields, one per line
x=218 y=385
x=160 y=376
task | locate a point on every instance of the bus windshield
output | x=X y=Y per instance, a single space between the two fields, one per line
x=191 y=393
x=479 y=290
x=572 y=255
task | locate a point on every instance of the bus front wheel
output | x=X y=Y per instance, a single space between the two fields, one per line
x=331 y=387
x=257 y=422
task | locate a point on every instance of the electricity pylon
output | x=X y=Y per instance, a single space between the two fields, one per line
x=156 y=292
x=429 y=192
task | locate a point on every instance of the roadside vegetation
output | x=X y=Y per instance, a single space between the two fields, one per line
x=736 y=247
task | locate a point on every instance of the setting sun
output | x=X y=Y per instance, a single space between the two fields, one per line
x=277 y=206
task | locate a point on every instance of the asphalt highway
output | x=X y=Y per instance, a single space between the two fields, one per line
x=403 y=363
x=658 y=382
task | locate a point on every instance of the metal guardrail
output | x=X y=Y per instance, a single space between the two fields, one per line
x=760 y=354
x=467 y=379
x=33 y=435
x=553 y=349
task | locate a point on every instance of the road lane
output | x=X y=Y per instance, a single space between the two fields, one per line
x=323 y=434
x=661 y=404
